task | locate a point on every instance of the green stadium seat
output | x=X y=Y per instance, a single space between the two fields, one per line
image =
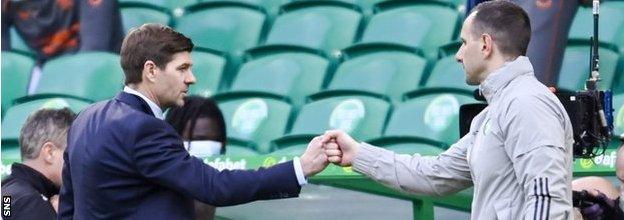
x=271 y=6
x=366 y=5
x=618 y=115
x=427 y=24
x=448 y=73
x=209 y=68
x=134 y=15
x=611 y=25
x=575 y=66
x=253 y=120
x=287 y=71
x=10 y=155
x=239 y=151
x=431 y=114
x=92 y=76
x=16 y=70
x=361 y=116
x=225 y=26
x=169 y=4
x=16 y=116
x=18 y=44
x=322 y=25
x=384 y=69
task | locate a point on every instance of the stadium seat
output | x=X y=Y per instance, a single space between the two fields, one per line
x=18 y=44
x=16 y=116
x=430 y=114
x=575 y=66
x=271 y=6
x=16 y=70
x=10 y=155
x=384 y=69
x=448 y=73
x=225 y=26
x=169 y=4
x=361 y=116
x=287 y=71
x=209 y=68
x=91 y=76
x=611 y=25
x=323 y=25
x=238 y=151
x=254 y=120
x=618 y=115
x=618 y=83
x=136 y=14
x=366 y=5
x=420 y=24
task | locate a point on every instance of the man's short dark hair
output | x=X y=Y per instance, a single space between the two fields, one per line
x=507 y=23
x=153 y=42
x=42 y=126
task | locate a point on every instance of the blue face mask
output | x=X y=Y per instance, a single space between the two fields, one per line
x=204 y=148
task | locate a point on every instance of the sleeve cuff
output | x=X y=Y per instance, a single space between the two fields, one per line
x=299 y=172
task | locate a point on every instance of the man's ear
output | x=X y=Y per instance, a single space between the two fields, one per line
x=487 y=45
x=46 y=152
x=149 y=71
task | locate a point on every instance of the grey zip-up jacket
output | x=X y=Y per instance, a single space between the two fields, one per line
x=517 y=155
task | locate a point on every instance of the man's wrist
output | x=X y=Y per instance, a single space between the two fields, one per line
x=300 y=171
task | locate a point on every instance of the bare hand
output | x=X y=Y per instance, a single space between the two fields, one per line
x=54 y=200
x=314 y=159
x=340 y=148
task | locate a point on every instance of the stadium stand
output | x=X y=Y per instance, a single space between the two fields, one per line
x=15 y=76
x=322 y=25
x=78 y=75
x=135 y=14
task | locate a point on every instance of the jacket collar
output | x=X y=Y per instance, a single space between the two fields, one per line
x=36 y=179
x=135 y=102
x=498 y=79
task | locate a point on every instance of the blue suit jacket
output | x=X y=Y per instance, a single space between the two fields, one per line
x=121 y=162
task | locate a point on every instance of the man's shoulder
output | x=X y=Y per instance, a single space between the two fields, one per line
x=115 y=112
x=19 y=190
x=526 y=89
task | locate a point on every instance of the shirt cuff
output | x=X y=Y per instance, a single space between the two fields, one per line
x=299 y=172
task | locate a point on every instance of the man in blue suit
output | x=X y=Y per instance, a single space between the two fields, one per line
x=124 y=162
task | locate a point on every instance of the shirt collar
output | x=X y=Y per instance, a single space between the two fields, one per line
x=158 y=113
x=36 y=179
x=503 y=75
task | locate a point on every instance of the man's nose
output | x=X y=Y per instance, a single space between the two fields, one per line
x=458 y=57
x=190 y=79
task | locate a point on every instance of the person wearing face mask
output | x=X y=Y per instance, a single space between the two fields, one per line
x=201 y=125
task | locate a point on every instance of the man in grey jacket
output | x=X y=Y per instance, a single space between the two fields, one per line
x=518 y=153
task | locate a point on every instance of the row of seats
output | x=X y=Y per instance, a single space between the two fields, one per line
x=323 y=25
x=271 y=6
x=428 y=121
x=293 y=73
x=329 y=26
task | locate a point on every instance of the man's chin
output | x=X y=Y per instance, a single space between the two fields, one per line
x=472 y=82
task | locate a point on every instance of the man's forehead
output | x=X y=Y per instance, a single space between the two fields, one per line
x=181 y=58
x=467 y=23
